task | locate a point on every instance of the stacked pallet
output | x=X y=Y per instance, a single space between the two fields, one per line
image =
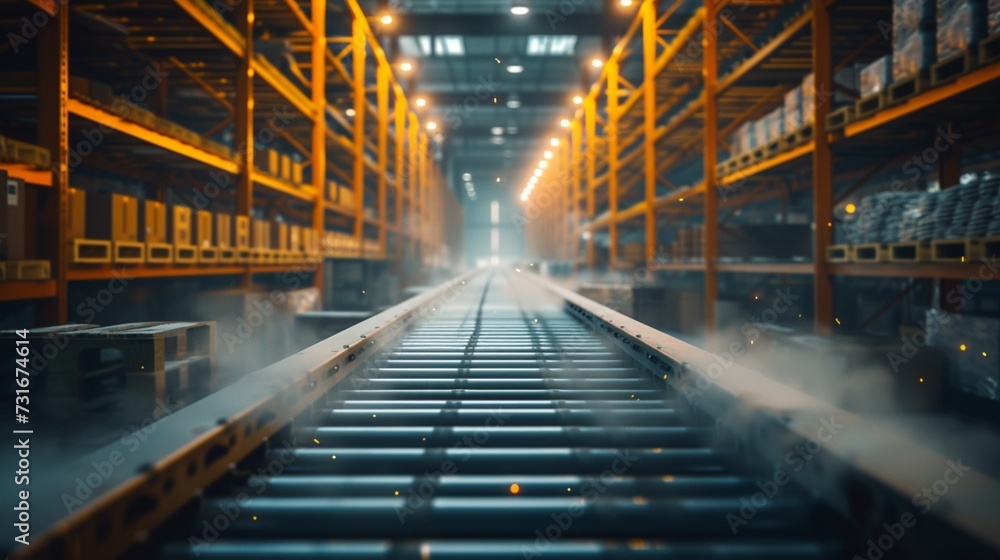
x=934 y=43
x=959 y=224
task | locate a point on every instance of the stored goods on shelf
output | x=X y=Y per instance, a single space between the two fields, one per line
x=960 y=25
x=913 y=37
x=13 y=220
x=876 y=77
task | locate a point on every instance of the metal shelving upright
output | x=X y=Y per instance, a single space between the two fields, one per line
x=403 y=168
x=707 y=68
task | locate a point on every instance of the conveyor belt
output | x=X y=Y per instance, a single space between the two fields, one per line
x=502 y=428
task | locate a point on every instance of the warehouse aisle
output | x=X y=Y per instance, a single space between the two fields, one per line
x=502 y=428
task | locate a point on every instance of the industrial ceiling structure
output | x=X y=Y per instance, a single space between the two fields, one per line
x=498 y=76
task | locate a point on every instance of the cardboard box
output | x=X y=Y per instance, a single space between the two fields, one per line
x=223 y=231
x=13 y=220
x=261 y=234
x=297 y=172
x=180 y=225
x=154 y=222
x=273 y=163
x=345 y=196
x=295 y=238
x=286 y=167
x=112 y=217
x=77 y=226
x=279 y=237
x=242 y=232
x=204 y=229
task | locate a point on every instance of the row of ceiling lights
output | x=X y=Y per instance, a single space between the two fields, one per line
x=543 y=164
x=514 y=103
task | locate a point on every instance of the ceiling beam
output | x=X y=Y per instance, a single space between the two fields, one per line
x=503 y=25
x=441 y=100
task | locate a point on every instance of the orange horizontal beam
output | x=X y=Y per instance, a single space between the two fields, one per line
x=767 y=50
x=284 y=187
x=770 y=163
x=924 y=100
x=27 y=289
x=957 y=271
x=28 y=174
x=169 y=143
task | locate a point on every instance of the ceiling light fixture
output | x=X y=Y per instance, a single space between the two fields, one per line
x=626 y=3
x=548 y=154
x=432 y=125
x=564 y=123
x=577 y=100
x=515 y=68
x=543 y=164
x=349 y=112
x=386 y=19
x=421 y=102
x=406 y=67
x=597 y=63
x=554 y=142
x=519 y=10
x=538 y=173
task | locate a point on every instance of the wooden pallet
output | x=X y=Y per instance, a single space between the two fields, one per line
x=989 y=49
x=208 y=255
x=90 y=251
x=991 y=248
x=903 y=89
x=867 y=106
x=840 y=118
x=870 y=253
x=745 y=160
x=129 y=252
x=776 y=146
x=152 y=363
x=29 y=154
x=228 y=255
x=25 y=270
x=159 y=253
x=791 y=139
x=259 y=256
x=185 y=254
x=951 y=67
x=839 y=254
x=732 y=166
x=959 y=250
x=910 y=252
x=804 y=134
